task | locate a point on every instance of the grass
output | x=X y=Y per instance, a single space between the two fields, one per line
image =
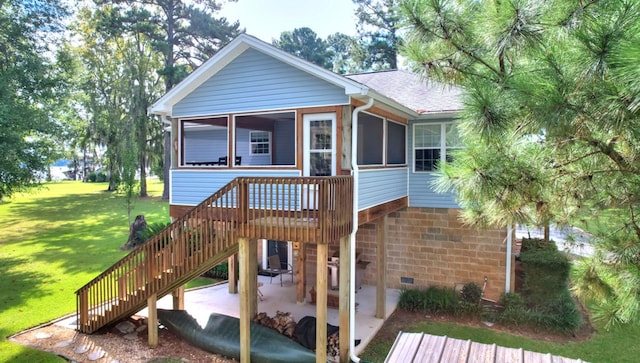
x=617 y=345
x=54 y=240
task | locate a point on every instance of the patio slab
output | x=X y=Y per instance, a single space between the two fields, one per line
x=201 y=302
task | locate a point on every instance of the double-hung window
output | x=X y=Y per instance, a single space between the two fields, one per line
x=260 y=142
x=432 y=144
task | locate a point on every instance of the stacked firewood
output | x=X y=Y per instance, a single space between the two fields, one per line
x=285 y=324
x=282 y=322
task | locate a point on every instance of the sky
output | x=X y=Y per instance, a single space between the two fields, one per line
x=266 y=19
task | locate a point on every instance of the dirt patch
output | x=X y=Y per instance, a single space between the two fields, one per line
x=113 y=346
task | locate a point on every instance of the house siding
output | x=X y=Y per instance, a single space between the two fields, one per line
x=379 y=186
x=190 y=187
x=255 y=81
x=421 y=191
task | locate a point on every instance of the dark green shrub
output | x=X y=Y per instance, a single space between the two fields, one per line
x=515 y=311
x=101 y=177
x=220 y=271
x=537 y=244
x=411 y=300
x=471 y=293
x=546 y=273
x=440 y=300
x=151 y=230
x=559 y=314
x=92 y=177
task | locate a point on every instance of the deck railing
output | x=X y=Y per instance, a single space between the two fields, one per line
x=309 y=209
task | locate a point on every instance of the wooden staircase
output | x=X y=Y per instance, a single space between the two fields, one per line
x=306 y=209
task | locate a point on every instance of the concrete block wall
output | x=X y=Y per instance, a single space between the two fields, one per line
x=432 y=247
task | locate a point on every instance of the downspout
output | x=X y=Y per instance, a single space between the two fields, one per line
x=507 y=279
x=352 y=272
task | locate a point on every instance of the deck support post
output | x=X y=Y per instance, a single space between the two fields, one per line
x=152 y=321
x=321 y=302
x=178 y=298
x=248 y=293
x=381 y=267
x=301 y=271
x=232 y=263
x=344 y=302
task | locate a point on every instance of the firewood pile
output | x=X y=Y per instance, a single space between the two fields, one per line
x=286 y=325
x=283 y=323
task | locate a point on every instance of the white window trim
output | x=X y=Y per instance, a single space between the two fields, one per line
x=251 y=143
x=443 y=144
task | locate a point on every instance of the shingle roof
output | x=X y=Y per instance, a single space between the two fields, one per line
x=425 y=348
x=409 y=90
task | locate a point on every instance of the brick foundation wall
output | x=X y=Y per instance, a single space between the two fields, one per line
x=432 y=247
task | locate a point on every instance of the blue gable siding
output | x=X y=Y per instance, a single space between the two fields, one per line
x=255 y=81
x=190 y=187
x=421 y=192
x=377 y=186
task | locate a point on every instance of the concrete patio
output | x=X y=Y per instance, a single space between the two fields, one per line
x=201 y=302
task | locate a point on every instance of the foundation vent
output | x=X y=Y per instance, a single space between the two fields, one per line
x=406 y=280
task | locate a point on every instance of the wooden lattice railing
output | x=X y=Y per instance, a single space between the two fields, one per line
x=308 y=210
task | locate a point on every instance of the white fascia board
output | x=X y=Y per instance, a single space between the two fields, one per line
x=438 y=115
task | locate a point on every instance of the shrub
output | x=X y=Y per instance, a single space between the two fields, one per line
x=411 y=300
x=440 y=300
x=101 y=177
x=220 y=271
x=92 y=177
x=546 y=273
x=537 y=244
x=515 y=311
x=471 y=293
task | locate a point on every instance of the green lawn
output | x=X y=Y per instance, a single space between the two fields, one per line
x=53 y=241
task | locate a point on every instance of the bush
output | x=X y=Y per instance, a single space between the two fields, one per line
x=537 y=244
x=101 y=177
x=92 y=177
x=471 y=293
x=515 y=311
x=435 y=299
x=411 y=300
x=546 y=273
x=220 y=271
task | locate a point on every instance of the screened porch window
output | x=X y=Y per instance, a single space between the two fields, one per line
x=265 y=139
x=432 y=144
x=204 y=142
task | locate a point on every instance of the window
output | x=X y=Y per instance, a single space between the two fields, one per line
x=260 y=142
x=370 y=139
x=396 y=143
x=432 y=144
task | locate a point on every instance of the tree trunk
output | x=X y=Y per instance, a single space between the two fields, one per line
x=134 y=240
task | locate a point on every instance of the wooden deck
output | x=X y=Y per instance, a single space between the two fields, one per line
x=426 y=348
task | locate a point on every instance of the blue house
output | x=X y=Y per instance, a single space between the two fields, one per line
x=280 y=156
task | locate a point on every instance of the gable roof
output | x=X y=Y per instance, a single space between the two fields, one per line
x=388 y=88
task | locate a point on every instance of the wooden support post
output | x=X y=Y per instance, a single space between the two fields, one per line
x=178 y=298
x=381 y=266
x=344 y=302
x=152 y=321
x=84 y=308
x=232 y=262
x=321 y=302
x=301 y=271
x=248 y=294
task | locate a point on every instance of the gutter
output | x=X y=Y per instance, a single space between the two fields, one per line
x=507 y=277
x=352 y=272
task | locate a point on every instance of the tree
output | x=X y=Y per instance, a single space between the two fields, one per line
x=550 y=122
x=305 y=43
x=186 y=34
x=28 y=92
x=378 y=22
x=346 y=51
